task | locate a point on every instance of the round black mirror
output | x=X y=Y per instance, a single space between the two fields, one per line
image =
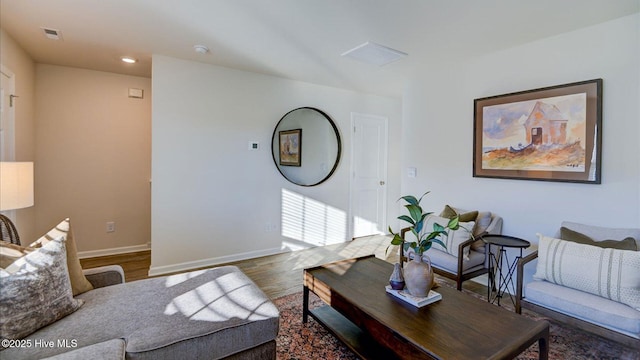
x=306 y=146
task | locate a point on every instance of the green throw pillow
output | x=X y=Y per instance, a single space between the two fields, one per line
x=450 y=213
x=574 y=236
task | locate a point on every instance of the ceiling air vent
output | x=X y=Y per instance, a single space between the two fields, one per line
x=52 y=34
x=375 y=54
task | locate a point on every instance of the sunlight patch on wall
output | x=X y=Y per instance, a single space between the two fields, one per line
x=311 y=221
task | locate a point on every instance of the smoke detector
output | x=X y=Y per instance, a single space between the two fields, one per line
x=52 y=34
x=375 y=54
x=200 y=49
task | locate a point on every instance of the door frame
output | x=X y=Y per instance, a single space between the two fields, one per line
x=11 y=125
x=10 y=155
x=385 y=165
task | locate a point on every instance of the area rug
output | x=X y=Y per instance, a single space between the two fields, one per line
x=297 y=341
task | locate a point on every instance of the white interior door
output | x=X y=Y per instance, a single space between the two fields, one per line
x=369 y=174
x=7 y=84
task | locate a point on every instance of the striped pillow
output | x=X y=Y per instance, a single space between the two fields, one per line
x=610 y=273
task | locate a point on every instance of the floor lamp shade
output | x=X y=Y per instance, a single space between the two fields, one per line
x=16 y=185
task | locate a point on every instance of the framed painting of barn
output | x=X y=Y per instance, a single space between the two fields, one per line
x=548 y=134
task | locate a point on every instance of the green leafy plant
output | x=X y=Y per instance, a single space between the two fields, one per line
x=424 y=238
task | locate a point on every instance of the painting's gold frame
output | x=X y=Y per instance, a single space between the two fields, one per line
x=593 y=140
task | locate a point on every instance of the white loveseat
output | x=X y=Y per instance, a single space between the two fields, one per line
x=600 y=290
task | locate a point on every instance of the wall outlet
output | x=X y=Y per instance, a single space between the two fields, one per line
x=111 y=226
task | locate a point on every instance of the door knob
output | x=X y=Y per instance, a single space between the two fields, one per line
x=381 y=182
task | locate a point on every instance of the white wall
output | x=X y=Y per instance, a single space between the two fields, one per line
x=213 y=200
x=438 y=127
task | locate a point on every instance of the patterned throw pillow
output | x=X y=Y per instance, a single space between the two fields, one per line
x=610 y=273
x=36 y=291
x=455 y=237
x=79 y=282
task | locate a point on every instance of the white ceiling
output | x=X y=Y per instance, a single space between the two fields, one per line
x=295 y=39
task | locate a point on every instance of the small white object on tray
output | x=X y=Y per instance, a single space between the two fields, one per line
x=415 y=300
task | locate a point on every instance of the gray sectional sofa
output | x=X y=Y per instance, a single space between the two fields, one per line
x=592 y=287
x=216 y=313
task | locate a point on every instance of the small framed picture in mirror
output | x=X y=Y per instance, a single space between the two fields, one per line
x=291 y=147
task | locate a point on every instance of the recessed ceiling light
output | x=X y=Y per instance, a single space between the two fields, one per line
x=129 y=60
x=374 y=54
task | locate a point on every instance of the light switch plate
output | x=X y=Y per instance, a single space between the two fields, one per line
x=412 y=172
x=254 y=145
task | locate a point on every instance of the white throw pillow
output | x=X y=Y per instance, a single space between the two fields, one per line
x=455 y=237
x=610 y=273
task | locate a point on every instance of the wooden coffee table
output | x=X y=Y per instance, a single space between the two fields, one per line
x=375 y=324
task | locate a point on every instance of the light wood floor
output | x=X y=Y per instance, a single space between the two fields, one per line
x=277 y=275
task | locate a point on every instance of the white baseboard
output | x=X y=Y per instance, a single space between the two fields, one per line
x=113 y=251
x=482 y=279
x=191 y=265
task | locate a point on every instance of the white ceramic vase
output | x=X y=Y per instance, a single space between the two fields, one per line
x=418 y=276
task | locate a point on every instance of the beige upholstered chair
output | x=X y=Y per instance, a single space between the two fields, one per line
x=460 y=267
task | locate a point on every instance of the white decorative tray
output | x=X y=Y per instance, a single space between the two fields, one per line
x=414 y=300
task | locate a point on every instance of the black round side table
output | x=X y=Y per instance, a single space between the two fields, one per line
x=505 y=282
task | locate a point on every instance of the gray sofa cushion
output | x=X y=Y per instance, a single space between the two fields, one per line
x=215 y=312
x=449 y=262
x=606 y=313
x=104 y=275
x=108 y=350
